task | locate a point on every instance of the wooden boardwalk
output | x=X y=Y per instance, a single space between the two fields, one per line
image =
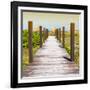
x=50 y=61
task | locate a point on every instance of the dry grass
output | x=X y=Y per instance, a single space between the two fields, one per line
x=26 y=54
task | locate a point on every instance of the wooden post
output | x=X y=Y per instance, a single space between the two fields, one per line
x=63 y=36
x=60 y=34
x=72 y=29
x=47 y=33
x=40 y=28
x=43 y=34
x=56 y=31
x=57 y=34
x=30 y=26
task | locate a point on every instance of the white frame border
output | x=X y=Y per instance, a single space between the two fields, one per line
x=77 y=77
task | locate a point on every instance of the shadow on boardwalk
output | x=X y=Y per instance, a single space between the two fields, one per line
x=49 y=61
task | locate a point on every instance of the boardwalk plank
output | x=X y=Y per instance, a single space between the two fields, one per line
x=49 y=61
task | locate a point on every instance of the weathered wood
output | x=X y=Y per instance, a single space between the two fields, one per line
x=63 y=36
x=44 y=37
x=46 y=33
x=59 y=34
x=72 y=29
x=40 y=28
x=56 y=32
x=30 y=24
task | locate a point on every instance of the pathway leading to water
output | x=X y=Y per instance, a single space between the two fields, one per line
x=50 y=61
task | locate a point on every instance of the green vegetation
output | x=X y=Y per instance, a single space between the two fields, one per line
x=26 y=54
x=77 y=47
x=35 y=43
x=67 y=41
x=25 y=38
x=35 y=39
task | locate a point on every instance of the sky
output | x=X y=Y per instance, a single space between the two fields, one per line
x=50 y=20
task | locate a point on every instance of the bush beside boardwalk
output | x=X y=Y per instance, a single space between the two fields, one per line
x=35 y=42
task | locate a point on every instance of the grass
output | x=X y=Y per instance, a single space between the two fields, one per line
x=26 y=54
x=77 y=47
